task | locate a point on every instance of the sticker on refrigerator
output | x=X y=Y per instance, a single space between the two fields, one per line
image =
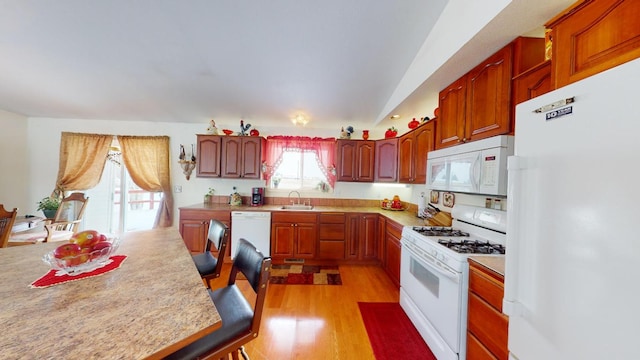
x=552 y=115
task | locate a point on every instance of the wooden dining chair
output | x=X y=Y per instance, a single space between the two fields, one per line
x=240 y=318
x=65 y=223
x=7 y=218
x=209 y=266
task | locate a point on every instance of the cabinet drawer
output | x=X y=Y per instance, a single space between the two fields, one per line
x=394 y=228
x=332 y=231
x=477 y=351
x=293 y=217
x=331 y=250
x=332 y=218
x=488 y=325
x=192 y=214
x=486 y=286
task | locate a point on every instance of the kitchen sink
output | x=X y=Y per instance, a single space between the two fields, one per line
x=297 y=207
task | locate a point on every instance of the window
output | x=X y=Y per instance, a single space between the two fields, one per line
x=299 y=170
x=300 y=163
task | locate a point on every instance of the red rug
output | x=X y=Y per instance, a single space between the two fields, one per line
x=391 y=333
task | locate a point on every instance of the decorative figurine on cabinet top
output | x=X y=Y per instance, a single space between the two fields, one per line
x=244 y=128
x=212 y=129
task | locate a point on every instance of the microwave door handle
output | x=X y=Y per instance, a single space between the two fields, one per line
x=475 y=172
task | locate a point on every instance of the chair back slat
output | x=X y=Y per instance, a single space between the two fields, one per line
x=7 y=218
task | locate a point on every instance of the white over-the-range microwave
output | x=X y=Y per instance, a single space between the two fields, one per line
x=478 y=167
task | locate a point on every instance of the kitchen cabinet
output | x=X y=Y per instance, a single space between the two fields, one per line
x=531 y=83
x=392 y=233
x=478 y=105
x=355 y=160
x=487 y=326
x=592 y=36
x=194 y=227
x=386 y=165
x=331 y=234
x=208 y=155
x=293 y=235
x=241 y=156
x=412 y=153
x=362 y=237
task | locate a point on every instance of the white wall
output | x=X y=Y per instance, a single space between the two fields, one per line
x=14 y=167
x=44 y=142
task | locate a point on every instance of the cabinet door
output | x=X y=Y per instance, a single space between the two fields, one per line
x=386 y=167
x=593 y=36
x=365 y=161
x=208 y=154
x=488 y=97
x=282 y=240
x=369 y=237
x=231 y=164
x=451 y=101
x=353 y=236
x=406 y=167
x=194 y=234
x=424 y=141
x=306 y=238
x=346 y=158
x=251 y=157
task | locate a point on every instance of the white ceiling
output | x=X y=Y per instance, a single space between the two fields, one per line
x=337 y=62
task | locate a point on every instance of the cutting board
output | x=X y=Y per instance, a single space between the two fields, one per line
x=441 y=218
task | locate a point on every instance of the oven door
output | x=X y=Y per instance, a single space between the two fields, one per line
x=436 y=290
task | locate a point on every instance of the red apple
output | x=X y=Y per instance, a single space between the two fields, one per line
x=86 y=238
x=98 y=249
x=66 y=250
x=103 y=238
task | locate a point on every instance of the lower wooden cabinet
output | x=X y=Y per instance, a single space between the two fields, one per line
x=194 y=227
x=392 y=235
x=362 y=237
x=293 y=235
x=331 y=234
x=487 y=326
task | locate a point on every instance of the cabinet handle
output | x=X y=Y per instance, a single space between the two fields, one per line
x=292 y=225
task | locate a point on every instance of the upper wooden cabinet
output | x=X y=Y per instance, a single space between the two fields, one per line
x=355 y=160
x=208 y=164
x=534 y=82
x=412 y=153
x=592 y=36
x=386 y=160
x=241 y=156
x=478 y=105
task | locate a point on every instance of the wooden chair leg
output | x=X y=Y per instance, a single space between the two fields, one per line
x=243 y=353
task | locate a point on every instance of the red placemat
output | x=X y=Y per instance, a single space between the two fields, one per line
x=55 y=277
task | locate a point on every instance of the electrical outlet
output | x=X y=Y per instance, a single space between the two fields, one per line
x=177 y=188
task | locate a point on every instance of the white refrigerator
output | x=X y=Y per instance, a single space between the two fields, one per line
x=572 y=277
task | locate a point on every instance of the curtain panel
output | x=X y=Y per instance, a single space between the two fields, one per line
x=147 y=160
x=324 y=148
x=81 y=161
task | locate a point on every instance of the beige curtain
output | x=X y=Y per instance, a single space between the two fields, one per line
x=147 y=160
x=81 y=161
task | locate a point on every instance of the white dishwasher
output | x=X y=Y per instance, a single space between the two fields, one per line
x=253 y=226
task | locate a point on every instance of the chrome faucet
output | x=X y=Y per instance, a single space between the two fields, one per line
x=298 y=196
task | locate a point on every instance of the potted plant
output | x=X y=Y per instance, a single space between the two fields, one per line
x=208 y=197
x=49 y=206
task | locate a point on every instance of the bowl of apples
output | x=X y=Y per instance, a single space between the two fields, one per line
x=84 y=252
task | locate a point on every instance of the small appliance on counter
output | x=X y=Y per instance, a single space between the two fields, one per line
x=257 y=196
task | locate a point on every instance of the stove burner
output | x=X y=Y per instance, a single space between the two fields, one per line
x=472 y=246
x=439 y=231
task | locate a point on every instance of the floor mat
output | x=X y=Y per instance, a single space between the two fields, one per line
x=305 y=275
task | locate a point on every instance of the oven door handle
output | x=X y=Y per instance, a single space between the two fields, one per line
x=433 y=263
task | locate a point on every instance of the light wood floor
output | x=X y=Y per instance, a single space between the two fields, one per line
x=319 y=321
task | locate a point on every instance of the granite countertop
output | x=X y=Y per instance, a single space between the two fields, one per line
x=406 y=218
x=495 y=263
x=152 y=304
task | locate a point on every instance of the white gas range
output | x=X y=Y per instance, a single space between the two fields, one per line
x=434 y=274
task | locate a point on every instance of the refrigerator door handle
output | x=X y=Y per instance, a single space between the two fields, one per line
x=510 y=304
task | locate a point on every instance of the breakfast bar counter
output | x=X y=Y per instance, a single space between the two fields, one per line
x=154 y=303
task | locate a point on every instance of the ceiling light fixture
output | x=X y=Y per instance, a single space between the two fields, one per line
x=300 y=120
x=393 y=117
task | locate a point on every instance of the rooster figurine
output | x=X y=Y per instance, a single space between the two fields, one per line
x=244 y=128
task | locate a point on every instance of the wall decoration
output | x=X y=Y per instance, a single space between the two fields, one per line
x=434 y=197
x=448 y=199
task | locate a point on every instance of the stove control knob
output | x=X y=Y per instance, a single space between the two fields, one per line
x=441 y=257
x=434 y=252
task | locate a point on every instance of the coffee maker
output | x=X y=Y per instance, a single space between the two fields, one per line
x=257 y=196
